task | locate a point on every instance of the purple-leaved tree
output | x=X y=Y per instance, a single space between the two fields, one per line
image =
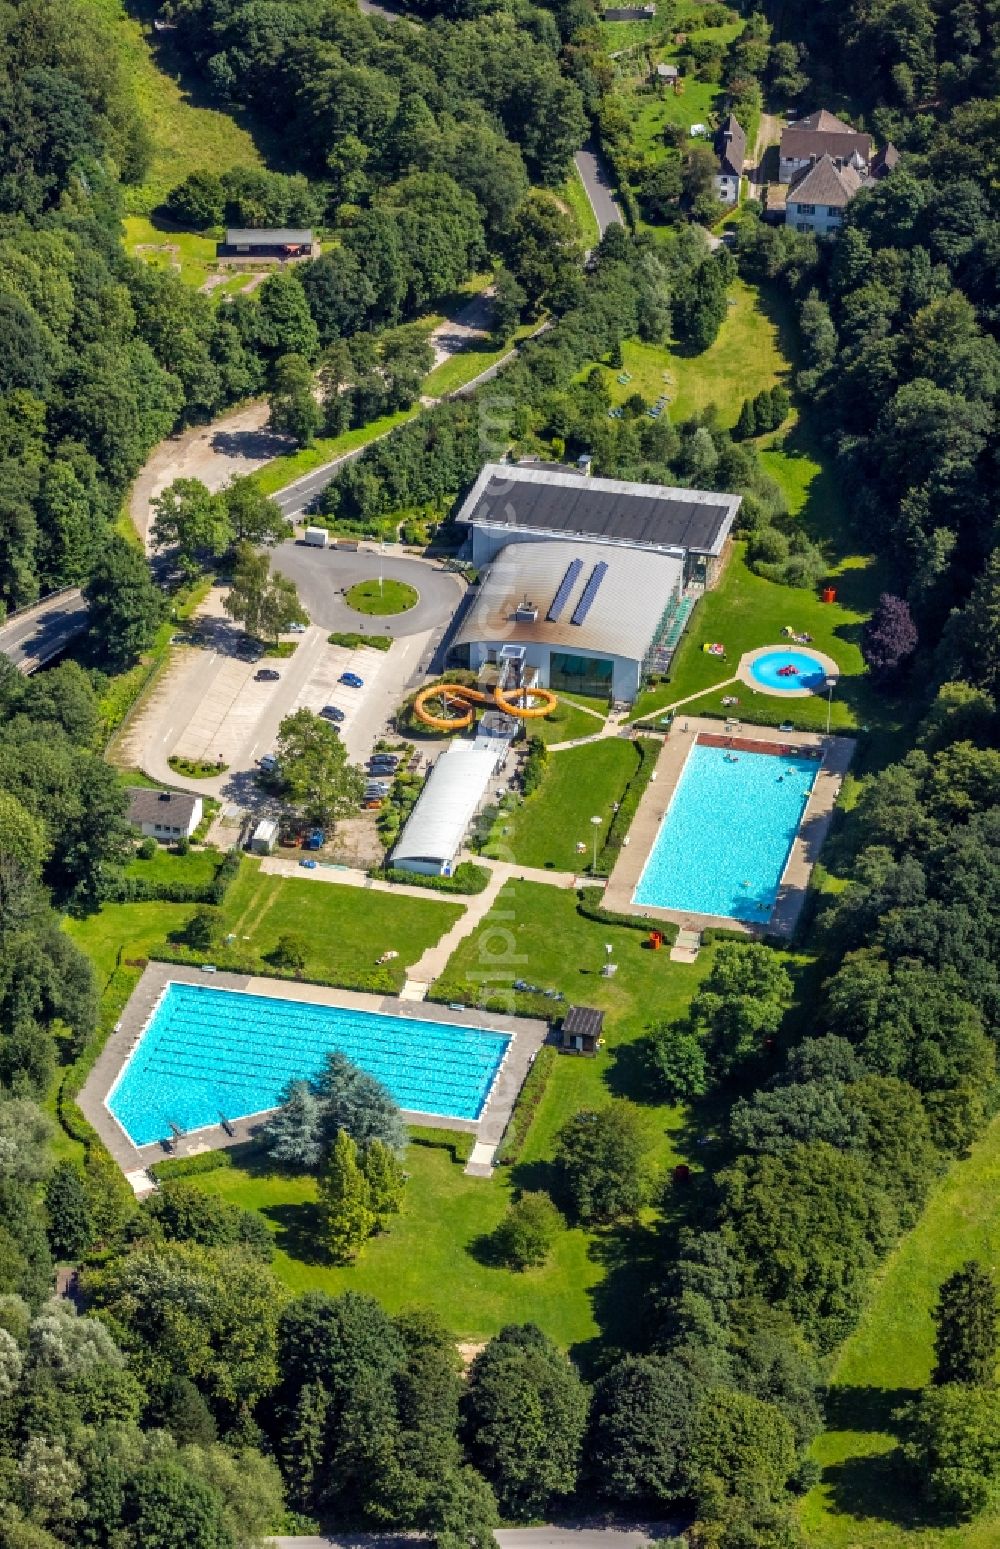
x=890 y=637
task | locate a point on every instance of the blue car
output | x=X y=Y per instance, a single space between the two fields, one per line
x=352 y=680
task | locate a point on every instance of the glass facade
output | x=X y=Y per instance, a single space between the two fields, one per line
x=593 y=675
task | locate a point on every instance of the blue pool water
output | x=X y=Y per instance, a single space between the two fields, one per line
x=724 y=841
x=208 y=1052
x=765 y=671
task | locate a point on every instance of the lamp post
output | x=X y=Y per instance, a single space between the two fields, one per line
x=831 y=684
x=597 y=823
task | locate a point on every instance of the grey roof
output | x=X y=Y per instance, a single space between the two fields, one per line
x=816 y=136
x=667 y=72
x=268 y=236
x=146 y=805
x=646 y=515
x=885 y=160
x=586 y=1020
x=731 y=146
x=622 y=619
x=825 y=183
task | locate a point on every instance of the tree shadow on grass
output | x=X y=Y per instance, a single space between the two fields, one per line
x=631 y=1256
x=874 y=1484
x=300 y=1231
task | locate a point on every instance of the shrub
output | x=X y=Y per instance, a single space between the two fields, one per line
x=190 y=1166
x=289 y=951
x=183 y=845
x=526 y=1106
x=352 y=640
x=458 y=1142
x=466 y=878
x=648 y=751
x=589 y=905
x=534 y=766
x=524 y=1238
x=147 y=849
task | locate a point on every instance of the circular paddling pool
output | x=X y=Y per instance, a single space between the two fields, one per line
x=809 y=671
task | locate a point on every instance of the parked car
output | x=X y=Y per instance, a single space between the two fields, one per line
x=266 y=675
x=268 y=764
x=377 y=788
x=383 y=761
x=296 y=629
x=351 y=679
x=332 y=713
x=308 y=864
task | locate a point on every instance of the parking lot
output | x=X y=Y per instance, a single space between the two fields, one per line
x=209 y=706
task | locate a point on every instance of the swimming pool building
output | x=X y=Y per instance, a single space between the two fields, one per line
x=591 y=579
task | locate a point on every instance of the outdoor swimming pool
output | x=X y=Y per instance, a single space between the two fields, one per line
x=724 y=842
x=809 y=673
x=207 y=1052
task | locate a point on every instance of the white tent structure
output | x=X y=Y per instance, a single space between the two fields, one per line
x=436 y=828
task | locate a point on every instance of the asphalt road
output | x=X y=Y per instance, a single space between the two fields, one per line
x=40 y=635
x=322 y=576
x=582 y=1537
x=596 y=176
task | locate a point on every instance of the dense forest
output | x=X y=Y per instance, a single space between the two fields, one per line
x=193 y=1402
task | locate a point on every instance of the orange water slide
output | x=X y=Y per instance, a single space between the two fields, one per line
x=534 y=703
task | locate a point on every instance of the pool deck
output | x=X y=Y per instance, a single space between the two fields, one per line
x=528 y=1035
x=745 y=675
x=837 y=754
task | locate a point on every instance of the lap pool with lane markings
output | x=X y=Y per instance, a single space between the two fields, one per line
x=209 y=1053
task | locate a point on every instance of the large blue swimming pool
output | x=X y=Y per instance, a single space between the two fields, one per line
x=723 y=844
x=208 y=1053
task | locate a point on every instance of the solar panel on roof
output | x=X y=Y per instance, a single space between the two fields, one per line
x=595 y=578
x=566 y=585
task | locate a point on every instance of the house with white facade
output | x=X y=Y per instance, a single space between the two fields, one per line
x=163 y=815
x=817 y=200
x=731 y=149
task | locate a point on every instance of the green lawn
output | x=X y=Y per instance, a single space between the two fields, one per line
x=578 y=784
x=746 y=358
x=345 y=928
x=381 y=597
x=745 y=611
x=431 y=1256
x=460 y=369
x=566 y=722
x=198 y=866
x=285 y=470
x=188 y=133
x=865 y=1497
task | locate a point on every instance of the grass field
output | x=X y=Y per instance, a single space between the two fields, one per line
x=578 y=784
x=745 y=611
x=188 y=133
x=574 y=196
x=567 y=722
x=198 y=866
x=747 y=357
x=865 y=1497
x=187 y=253
x=285 y=470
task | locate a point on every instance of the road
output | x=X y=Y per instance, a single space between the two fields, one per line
x=597 y=180
x=584 y=1536
x=43 y=631
x=323 y=575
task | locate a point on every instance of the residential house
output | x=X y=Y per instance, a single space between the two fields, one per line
x=164 y=815
x=629 y=13
x=731 y=148
x=817 y=199
x=885 y=161
x=807 y=141
x=666 y=75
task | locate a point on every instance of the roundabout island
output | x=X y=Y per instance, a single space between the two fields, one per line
x=379 y=598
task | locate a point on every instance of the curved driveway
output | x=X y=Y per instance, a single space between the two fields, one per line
x=323 y=575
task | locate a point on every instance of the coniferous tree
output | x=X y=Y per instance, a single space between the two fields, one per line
x=345 y=1201
x=386 y=1180
x=69 y=1223
x=746 y=425
x=966 y=1342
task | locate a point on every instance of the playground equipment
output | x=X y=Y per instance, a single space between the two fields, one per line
x=522 y=702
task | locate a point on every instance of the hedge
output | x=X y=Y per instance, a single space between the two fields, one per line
x=534 y=765
x=466 y=878
x=458 y=1142
x=373 y=982
x=526 y=1106
x=189 y=1166
x=351 y=639
x=588 y=904
x=511 y=1003
x=628 y=806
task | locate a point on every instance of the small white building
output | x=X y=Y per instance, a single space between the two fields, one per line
x=436 y=828
x=163 y=815
x=264 y=837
